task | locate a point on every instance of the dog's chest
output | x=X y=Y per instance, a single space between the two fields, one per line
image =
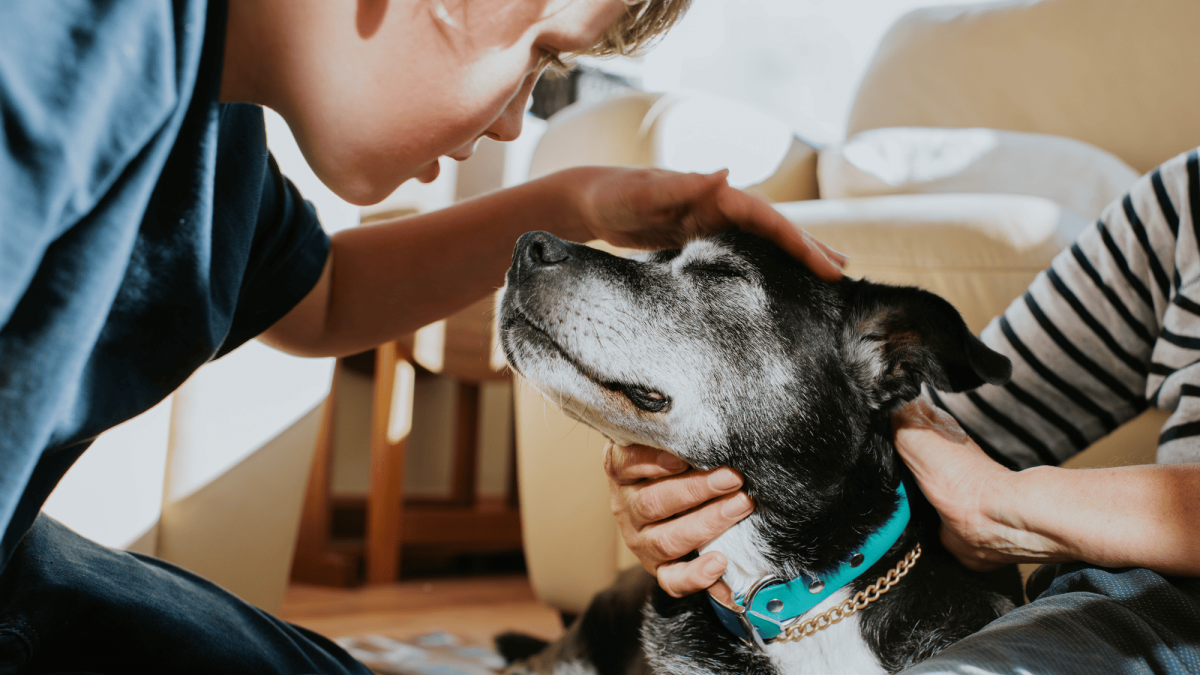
x=837 y=650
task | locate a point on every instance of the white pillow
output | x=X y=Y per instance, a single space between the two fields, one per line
x=906 y=160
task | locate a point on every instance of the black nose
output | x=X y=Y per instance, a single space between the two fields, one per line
x=540 y=249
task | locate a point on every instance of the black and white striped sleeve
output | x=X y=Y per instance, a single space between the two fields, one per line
x=1112 y=327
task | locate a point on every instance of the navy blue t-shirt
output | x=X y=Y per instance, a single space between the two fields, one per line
x=144 y=227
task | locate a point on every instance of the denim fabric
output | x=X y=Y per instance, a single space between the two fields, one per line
x=1089 y=621
x=68 y=604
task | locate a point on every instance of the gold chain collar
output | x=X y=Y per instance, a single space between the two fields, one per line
x=850 y=606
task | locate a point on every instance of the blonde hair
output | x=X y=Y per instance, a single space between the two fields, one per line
x=643 y=23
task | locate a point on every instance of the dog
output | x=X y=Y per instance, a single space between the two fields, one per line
x=728 y=352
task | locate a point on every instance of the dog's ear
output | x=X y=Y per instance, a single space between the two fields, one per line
x=895 y=338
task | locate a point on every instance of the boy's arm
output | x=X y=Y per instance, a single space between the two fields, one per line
x=385 y=280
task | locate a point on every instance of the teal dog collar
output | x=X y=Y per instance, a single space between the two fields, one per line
x=770 y=604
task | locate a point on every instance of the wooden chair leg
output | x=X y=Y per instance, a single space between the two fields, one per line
x=466 y=442
x=391 y=421
x=313 y=562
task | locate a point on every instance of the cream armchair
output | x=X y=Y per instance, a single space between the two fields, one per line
x=1112 y=73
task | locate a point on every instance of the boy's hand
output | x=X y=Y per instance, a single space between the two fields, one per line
x=656 y=208
x=666 y=510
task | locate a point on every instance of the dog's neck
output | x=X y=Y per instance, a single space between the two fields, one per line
x=795 y=529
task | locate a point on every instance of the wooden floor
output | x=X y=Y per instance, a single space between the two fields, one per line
x=473 y=608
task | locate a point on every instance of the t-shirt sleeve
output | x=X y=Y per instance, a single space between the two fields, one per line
x=83 y=86
x=287 y=257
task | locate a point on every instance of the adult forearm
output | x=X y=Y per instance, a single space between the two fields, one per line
x=1136 y=516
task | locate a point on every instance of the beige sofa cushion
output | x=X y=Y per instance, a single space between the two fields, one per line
x=1115 y=73
x=977 y=251
x=916 y=160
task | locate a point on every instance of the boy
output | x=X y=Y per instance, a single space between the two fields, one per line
x=144 y=229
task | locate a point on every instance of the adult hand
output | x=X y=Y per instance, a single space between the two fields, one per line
x=973 y=494
x=666 y=510
x=655 y=208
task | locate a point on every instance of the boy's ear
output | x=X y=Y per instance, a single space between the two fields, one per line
x=897 y=337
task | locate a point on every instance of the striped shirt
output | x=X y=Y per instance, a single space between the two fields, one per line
x=1111 y=328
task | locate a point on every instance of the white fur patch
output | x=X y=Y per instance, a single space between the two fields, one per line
x=575 y=667
x=742 y=547
x=696 y=252
x=837 y=650
x=863 y=356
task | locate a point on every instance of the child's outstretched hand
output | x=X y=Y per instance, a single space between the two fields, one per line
x=656 y=208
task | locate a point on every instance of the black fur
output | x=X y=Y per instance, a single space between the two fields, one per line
x=816 y=452
x=518 y=646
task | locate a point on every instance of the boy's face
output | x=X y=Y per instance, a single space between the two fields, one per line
x=387 y=94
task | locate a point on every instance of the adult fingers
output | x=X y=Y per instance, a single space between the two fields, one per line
x=653 y=500
x=921 y=413
x=668 y=540
x=626 y=464
x=684 y=578
x=932 y=443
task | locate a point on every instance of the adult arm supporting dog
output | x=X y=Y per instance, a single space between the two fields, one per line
x=1130 y=516
x=385 y=280
x=1111 y=328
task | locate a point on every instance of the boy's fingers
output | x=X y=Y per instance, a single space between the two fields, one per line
x=684 y=578
x=671 y=190
x=627 y=464
x=662 y=499
x=754 y=214
x=840 y=259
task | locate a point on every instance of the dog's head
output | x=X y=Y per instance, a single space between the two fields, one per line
x=728 y=351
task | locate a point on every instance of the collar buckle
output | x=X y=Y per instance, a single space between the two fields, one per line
x=743 y=616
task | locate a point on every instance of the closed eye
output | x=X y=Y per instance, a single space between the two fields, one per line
x=715 y=270
x=645 y=399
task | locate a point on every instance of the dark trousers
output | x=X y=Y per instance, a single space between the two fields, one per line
x=1088 y=621
x=68 y=604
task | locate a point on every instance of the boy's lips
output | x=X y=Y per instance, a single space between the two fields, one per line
x=430 y=172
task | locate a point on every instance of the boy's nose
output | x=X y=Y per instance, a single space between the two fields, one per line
x=507 y=127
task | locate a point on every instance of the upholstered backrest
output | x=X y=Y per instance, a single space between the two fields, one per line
x=1119 y=74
